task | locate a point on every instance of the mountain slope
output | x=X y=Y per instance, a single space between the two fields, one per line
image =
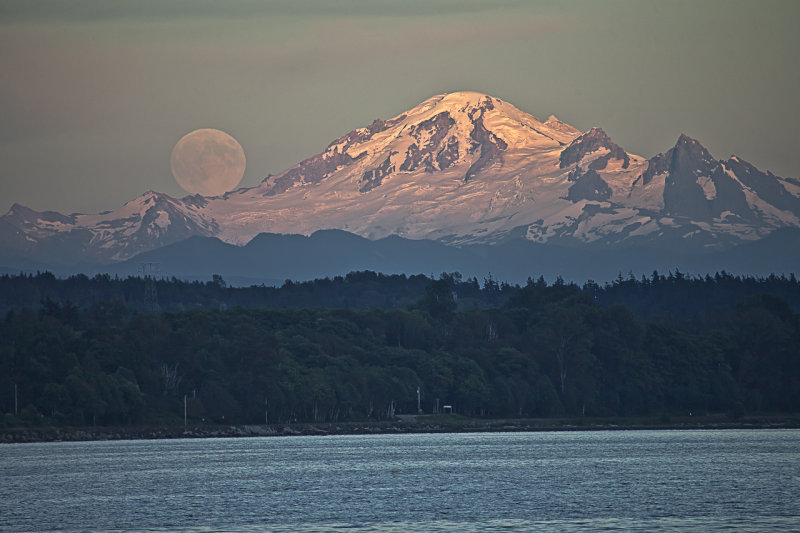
x=459 y=168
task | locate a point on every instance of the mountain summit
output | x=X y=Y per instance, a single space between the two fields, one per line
x=460 y=168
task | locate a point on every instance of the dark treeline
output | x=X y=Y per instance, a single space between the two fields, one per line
x=539 y=350
x=680 y=294
x=356 y=290
x=675 y=294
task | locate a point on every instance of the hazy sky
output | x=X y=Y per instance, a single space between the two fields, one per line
x=94 y=94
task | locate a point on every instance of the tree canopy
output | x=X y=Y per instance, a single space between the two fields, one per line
x=657 y=346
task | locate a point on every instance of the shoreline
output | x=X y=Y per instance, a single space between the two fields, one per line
x=404 y=424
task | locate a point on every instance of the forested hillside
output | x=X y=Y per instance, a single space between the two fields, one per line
x=677 y=345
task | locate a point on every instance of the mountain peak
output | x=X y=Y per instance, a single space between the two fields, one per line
x=470 y=104
x=463 y=131
x=16 y=207
x=591 y=141
x=25 y=215
x=687 y=148
x=148 y=198
x=685 y=142
x=455 y=102
x=21 y=214
x=461 y=98
x=556 y=124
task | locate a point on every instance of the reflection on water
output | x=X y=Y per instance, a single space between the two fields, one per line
x=677 y=525
x=585 y=481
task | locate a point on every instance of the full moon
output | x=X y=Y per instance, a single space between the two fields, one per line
x=208 y=162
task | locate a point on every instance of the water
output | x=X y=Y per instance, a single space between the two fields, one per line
x=582 y=481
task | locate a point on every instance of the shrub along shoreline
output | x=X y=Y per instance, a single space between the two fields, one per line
x=406 y=425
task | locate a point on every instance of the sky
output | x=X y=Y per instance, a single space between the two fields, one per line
x=94 y=94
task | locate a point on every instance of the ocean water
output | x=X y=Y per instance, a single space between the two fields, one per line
x=733 y=480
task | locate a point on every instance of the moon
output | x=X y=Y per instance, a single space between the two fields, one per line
x=208 y=162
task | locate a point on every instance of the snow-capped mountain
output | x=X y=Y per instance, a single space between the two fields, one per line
x=147 y=222
x=459 y=168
